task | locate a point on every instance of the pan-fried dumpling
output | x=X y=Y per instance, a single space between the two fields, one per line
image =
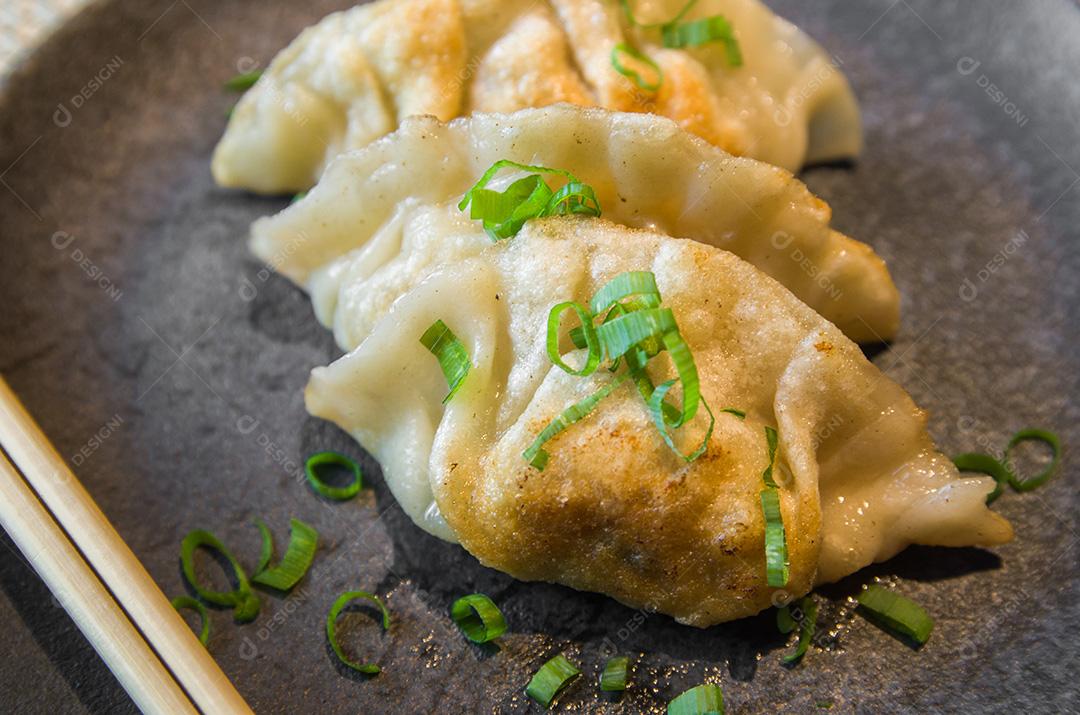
x=615 y=510
x=384 y=216
x=356 y=74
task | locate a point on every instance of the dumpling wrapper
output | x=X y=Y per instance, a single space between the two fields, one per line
x=616 y=511
x=357 y=74
x=385 y=215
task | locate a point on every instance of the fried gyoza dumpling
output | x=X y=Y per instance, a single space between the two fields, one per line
x=357 y=74
x=384 y=216
x=615 y=510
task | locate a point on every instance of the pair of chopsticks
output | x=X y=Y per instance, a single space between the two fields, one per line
x=97 y=579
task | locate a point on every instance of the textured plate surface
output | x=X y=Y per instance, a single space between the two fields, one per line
x=168 y=366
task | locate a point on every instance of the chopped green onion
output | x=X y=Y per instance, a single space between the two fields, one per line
x=297 y=560
x=896 y=613
x=242 y=599
x=808 y=624
x=1001 y=470
x=450 y=352
x=478 y=618
x=688 y=377
x=573 y=198
x=588 y=336
x=771 y=440
x=633 y=75
x=297 y=197
x=628 y=331
x=266 y=552
x=243 y=82
x=700 y=32
x=331 y=627
x=824 y=704
x=707 y=699
x=985 y=464
x=182 y=602
x=634 y=22
x=641 y=284
x=785 y=623
x=676 y=34
x=735 y=411
x=535 y=454
x=613 y=678
x=636 y=328
x=503 y=213
x=552 y=679
x=656 y=404
x=1040 y=435
x=776 y=553
x=311 y=469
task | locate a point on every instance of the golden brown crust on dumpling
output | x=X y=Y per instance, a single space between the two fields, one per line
x=530 y=66
x=686 y=96
x=616 y=511
x=418 y=49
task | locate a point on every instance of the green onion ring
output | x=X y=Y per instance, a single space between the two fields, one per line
x=535 y=454
x=573 y=198
x=676 y=34
x=628 y=331
x=322 y=488
x=700 y=32
x=707 y=699
x=634 y=22
x=182 y=602
x=808 y=625
x=451 y=354
x=551 y=680
x=503 y=214
x=895 y=613
x=242 y=600
x=688 y=376
x=588 y=333
x=1040 y=435
x=331 y=627
x=625 y=285
x=985 y=464
x=785 y=623
x=613 y=678
x=478 y=618
x=243 y=82
x=655 y=404
x=266 y=552
x=636 y=328
x=776 y=552
x=771 y=440
x=303 y=541
x=624 y=49
x=504 y=164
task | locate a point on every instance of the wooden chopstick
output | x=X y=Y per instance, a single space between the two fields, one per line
x=89 y=603
x=114 y=562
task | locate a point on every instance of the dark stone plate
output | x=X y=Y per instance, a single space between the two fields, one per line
x=156 y=355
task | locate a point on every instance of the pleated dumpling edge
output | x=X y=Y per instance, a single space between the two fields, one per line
x=390 y=210
x=615 y=510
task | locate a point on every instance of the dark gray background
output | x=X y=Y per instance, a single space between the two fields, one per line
x=950 y=175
